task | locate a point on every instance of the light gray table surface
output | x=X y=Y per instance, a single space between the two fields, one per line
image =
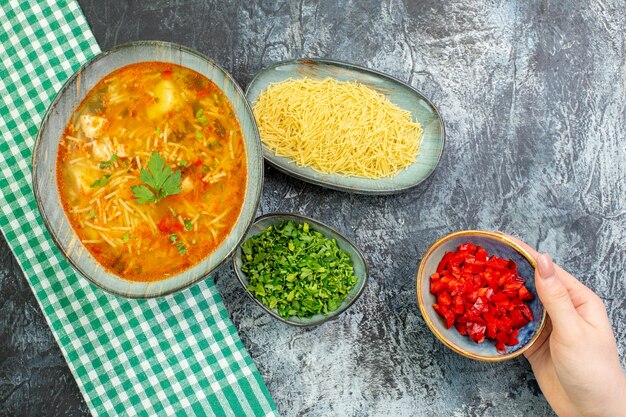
x=533 y=96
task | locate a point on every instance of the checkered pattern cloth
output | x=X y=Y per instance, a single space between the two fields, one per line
x=175 y=355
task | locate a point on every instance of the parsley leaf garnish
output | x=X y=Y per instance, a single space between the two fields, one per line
x=188 y=224
x=159 y=181
x=101 y=182
x=110 y=162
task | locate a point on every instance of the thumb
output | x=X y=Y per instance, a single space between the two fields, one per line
x=553 y=294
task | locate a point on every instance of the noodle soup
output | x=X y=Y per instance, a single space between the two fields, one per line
x=152 y=170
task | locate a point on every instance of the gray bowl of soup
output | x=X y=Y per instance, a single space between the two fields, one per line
x=148 y=168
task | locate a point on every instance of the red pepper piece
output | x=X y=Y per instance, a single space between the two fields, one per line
x=524 y=294
x=459 y=290
x=526 y=312
x=449 y=316
x=468 y=247
x=445 y=281
x=444 y=299
x=459 y=305
x=481 y=255
x=455 y=271
x=517 y=319
x=492 y=327
x=444 y=262
x=439 y=309
x=476 y=332
x=512 y=287
x=472 y=296
x=512 y=340
x=498 y=263
x=435 y=286
x=167 y=74
x=169 y=225
x=474 y=266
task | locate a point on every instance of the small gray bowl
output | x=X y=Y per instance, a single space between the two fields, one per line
x=51 y=131
x=358 y=263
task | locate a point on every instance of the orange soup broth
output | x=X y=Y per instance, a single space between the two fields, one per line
x=131 y=113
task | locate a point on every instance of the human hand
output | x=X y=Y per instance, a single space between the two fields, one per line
x=575 y=359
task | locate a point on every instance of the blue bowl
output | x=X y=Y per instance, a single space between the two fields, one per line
x=494 y=244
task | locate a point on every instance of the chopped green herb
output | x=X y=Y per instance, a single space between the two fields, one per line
x=110 y=162
x=125 y=237
x=92 y=214
x=297 y=270
x=159 y=181
x=199 y=135
x=200 y=118
x=101 y=182
x=205 y=168
x=158 y=132
x=188 y=225
x=182 y=163
x=179 y=245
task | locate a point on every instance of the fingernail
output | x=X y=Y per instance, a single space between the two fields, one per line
x=545 y=266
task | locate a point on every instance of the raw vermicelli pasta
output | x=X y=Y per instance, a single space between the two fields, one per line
x=337 y=127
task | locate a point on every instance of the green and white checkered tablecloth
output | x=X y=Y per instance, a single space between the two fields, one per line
x=175 y=355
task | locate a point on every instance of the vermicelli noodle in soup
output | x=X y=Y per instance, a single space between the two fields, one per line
x=152 y=170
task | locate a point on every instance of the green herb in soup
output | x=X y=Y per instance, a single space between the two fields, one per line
x=297 y=270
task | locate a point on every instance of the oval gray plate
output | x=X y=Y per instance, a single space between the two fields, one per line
x=401 y=94
x=47 y=144
x=358 y=263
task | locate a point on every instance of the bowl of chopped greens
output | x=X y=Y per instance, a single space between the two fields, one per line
x=299 y=270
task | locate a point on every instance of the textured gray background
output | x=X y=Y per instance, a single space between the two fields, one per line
x=533 y=94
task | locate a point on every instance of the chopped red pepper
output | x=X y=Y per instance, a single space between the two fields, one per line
x=169 y=225
x=481 y=296
x=167 y=74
